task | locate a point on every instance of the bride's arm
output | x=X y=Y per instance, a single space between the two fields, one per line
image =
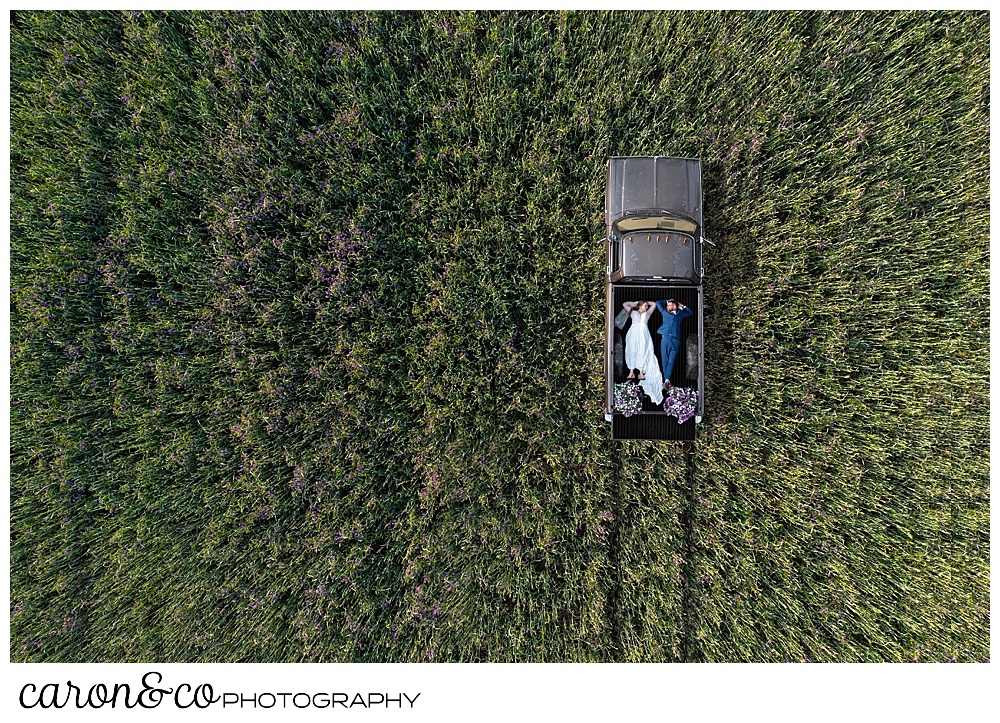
x=628 y=306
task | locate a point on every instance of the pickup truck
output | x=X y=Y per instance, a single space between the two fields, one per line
x=654 y=252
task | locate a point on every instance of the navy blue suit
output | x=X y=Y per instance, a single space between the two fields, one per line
x=670 y=336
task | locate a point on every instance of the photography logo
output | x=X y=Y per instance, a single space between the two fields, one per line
x=152 y=693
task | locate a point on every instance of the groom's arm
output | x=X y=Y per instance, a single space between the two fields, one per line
x=662 y=306
x=684 y=313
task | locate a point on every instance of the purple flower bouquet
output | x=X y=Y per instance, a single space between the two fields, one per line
x=680 y=402
x=628 y=399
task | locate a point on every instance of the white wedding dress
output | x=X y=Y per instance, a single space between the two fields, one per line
x=639 y=354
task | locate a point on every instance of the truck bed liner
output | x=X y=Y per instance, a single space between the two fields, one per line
x=685 y=295
x=653 y=423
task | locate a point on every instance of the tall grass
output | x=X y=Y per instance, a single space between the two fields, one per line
x=306 y=334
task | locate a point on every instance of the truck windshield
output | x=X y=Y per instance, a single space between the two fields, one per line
x=645 y=223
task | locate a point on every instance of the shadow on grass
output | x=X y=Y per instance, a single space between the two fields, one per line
x=732 y=263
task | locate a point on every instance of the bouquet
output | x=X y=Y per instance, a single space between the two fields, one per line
x=628 y=398
x=680 y=402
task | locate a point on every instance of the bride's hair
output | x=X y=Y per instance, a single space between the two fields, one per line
x=637 y=304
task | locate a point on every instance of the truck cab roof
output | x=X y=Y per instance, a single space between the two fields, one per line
x=653 y=217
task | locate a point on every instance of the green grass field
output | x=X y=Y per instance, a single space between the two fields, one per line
x=306 y=338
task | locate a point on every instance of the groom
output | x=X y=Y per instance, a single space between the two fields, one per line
x=670 y=334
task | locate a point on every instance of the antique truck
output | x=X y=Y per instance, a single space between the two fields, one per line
x=654 y=240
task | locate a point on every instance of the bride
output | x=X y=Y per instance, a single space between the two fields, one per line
x=639 y=352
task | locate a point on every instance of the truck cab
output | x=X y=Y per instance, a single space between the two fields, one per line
x=653 y=221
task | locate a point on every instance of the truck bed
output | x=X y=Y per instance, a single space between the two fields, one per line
x=653 y=422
